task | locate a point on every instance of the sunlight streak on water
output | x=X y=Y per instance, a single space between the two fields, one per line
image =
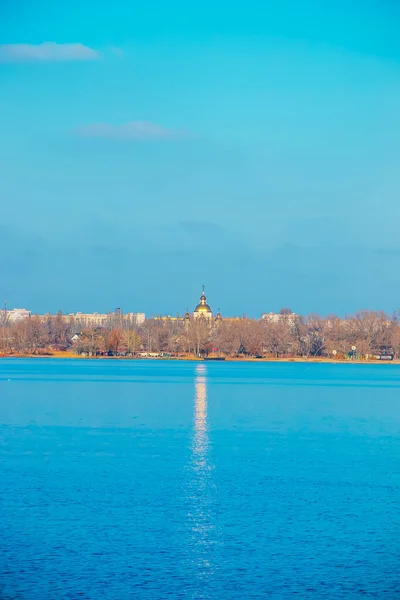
x=202 y=493
x=201 y=440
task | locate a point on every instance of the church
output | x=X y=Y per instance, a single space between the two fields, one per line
x=203 y=310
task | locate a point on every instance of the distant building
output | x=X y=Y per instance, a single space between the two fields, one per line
x=202 y=310
x=91 y=319
x=279 y=317
x=110 y=320
x=231 y=319
x=14 y=315
x=105 y=319
x=169 y=319
x=136 y=318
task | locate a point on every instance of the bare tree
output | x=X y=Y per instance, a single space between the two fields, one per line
x=252 y=337
x=114 y=340
x=131 y=340
x=37 y=335
x=228 y=337
x=313 y=335
x=200 y=335
x=4 y=317
x=278 y=337
x=369 y=331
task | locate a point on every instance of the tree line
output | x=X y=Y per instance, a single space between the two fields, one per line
x=364 y=334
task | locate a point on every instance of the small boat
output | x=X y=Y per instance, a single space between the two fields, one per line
x=214 y=358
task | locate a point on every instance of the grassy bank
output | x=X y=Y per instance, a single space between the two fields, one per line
x=316 y=360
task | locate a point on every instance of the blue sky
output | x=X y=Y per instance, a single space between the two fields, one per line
x=147 y=148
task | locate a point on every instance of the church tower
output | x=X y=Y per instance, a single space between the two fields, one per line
x=202 y=310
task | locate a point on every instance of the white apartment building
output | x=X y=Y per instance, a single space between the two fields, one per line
x=278 y=317
x=103 y=319
x=136 y=318
x=82 y=319
x=15 y=314
x=87 y=319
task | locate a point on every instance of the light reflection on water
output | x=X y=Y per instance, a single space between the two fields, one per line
x=204 y=538
x=200 y=448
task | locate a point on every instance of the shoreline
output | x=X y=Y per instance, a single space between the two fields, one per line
x=312 y=360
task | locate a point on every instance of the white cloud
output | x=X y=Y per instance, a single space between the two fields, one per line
x=129 y=131
x=47 y=52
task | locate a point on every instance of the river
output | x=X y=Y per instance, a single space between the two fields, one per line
x=192 y=480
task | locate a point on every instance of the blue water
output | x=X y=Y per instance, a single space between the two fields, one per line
x=157 y=480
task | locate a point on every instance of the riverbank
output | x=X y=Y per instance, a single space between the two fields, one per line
x=269 y=359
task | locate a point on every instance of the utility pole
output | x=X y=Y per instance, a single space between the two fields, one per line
x=4 y=315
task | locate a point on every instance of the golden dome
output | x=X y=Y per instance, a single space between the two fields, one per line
x=203 y=307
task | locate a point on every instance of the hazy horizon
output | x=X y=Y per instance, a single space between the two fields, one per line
x=88 y=309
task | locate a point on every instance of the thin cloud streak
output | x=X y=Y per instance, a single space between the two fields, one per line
x=133 y=130
x=46 y=52
x=118 y=52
